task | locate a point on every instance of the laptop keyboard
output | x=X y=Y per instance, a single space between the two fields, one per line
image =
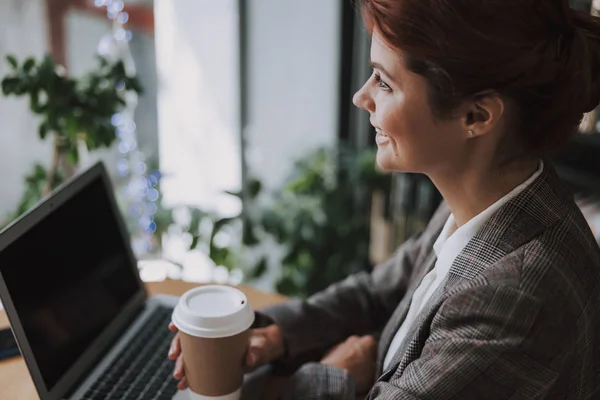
x=142 y=371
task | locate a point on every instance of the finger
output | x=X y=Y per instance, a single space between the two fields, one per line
x=183 y=384
x=369 y=345
x=173 y=328
x=257 y=349
x=175 y=348
x=368 y=340
x=178 y=372
x=353 y=340
x=327 y=354
x=257 y=341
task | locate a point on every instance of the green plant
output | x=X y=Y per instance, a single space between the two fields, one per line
x=74 y=112
x=35 y=183
x=204 y=228
x=317 y=219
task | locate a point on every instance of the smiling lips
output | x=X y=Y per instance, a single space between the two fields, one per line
x=381 y=138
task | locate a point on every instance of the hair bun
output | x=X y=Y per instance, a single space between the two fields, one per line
x=585 y=59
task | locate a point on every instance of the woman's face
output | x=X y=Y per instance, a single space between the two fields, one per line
x=408 y=137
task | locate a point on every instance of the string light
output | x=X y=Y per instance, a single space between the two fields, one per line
x=140 y=192
x=123 y=17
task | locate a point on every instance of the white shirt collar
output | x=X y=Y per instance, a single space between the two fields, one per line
x=453 y=245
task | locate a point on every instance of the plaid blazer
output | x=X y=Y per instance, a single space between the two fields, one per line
x=518 y=316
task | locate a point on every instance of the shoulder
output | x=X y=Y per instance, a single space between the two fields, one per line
x=560 y=267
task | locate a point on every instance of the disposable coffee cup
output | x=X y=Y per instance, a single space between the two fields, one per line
x=213 y=323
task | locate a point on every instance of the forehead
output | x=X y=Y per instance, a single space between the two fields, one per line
x=384 y=54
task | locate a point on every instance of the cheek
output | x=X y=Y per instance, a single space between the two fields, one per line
x=396 y=119
x=412 y=132
x=389 y=110
x=408 y=119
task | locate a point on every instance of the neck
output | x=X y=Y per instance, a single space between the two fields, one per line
x=468 y=191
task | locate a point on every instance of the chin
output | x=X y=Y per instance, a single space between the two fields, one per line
x=384 y=165
x=388 y=161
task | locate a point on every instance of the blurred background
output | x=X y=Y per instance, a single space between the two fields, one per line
x=228 y=130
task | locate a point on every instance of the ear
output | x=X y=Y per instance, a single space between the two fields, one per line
x=482 y=114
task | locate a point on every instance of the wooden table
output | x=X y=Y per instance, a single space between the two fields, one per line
x=15 y=382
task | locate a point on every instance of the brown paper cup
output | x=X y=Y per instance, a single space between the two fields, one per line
x=213 y=367
x=213 y=323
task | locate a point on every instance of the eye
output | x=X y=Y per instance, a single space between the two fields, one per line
x=381 y=83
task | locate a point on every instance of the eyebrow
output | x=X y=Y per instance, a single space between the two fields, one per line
x=378 y=66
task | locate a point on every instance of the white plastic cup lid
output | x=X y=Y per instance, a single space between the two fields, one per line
x=213 y=311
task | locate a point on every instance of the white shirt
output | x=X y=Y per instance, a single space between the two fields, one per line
x=447 y=247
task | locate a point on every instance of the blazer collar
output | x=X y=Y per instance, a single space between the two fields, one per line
x=537 y=208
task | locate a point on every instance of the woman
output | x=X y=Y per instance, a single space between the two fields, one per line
x=499 y=298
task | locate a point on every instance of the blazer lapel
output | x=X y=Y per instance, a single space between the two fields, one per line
x=423 y=265
x=418 y=333
x=538 y=207
x=400 y=313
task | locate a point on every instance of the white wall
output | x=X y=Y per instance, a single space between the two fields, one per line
x=83 y=33
x=23 y=32
x=293 y=61
x=198 y=101
x=294 y=55
x=293 y=83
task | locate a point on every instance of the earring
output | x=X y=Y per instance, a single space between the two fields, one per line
x=471 y=133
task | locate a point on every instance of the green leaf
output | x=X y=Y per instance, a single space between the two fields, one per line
x=43 y=130
x=222 y=256
x=195 y=241
x=197 y=216
x=12 y=61
x=259 y=269
x=103 y=61
x=248 y=236
x=73 y=156
x=134 y=85
x=34 y=102
x=219 y=224
x=29 y=64
x=254 y=188
x=214 y=251
x=9 y=85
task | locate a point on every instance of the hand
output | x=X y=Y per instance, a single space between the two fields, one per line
x=264 y=345
x=357 y=356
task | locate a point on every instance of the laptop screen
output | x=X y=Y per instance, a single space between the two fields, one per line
x=69 y=276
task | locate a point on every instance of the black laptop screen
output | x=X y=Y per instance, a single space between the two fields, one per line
x=68 y=277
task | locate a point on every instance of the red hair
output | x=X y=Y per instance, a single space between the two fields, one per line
x=541 y=56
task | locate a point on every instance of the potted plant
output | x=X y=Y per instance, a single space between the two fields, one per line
x=75 y=113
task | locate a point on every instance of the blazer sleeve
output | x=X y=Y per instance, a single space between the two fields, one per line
x=361 y=304
x=320 y=381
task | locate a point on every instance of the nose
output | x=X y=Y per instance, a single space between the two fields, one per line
x=363 y=99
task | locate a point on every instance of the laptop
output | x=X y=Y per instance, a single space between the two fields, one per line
x=77 y=307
